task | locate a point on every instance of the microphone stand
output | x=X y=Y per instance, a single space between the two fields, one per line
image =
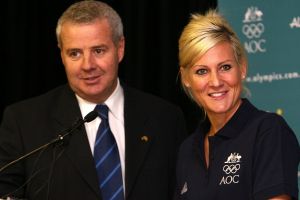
x=89 y=117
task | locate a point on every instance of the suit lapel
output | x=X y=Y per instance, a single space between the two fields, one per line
x=77 y=146
x=138 y=140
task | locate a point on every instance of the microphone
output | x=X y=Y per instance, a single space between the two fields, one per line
x=88 y=118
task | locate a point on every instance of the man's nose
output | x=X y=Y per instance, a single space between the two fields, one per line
x=88 y=61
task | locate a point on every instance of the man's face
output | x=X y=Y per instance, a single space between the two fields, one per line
x=91 y=59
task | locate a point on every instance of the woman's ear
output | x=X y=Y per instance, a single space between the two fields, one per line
x=183 y=76
x=244 y=69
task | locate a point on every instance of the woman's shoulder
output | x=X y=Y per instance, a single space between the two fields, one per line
x=264 y=120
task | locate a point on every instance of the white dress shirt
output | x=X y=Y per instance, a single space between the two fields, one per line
x=115 y=103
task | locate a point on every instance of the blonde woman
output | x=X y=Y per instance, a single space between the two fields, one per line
x=238 y=152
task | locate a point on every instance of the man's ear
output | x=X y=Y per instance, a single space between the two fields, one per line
x=121 y=49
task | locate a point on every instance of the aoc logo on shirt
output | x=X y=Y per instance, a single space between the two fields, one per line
x=230 y=168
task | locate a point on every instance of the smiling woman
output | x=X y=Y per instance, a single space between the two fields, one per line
x=237 y=152
x=215 y=82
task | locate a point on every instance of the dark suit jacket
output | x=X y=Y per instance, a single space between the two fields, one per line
x=66 y=170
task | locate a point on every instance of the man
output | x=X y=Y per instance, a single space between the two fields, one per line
x=146 y=129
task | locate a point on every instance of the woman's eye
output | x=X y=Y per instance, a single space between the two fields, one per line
x=225 y=67
x=201 y=71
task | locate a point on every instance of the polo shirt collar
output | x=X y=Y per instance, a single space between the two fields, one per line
x=235 y=125
x=238 y=121
x=231 y=129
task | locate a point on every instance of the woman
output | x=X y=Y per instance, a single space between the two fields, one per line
x=238 y=151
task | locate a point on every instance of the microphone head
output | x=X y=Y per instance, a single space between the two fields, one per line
x=90 y=116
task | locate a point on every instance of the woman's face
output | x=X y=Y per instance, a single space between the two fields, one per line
x=215 y=81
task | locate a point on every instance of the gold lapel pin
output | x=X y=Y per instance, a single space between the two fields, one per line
x=145 y=138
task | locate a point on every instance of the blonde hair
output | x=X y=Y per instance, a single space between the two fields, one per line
x=85 y=12
x=202 y=33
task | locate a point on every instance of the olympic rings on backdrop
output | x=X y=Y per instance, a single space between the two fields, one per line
x=253 y=30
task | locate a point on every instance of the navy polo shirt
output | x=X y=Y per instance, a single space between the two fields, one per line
x=254 y=156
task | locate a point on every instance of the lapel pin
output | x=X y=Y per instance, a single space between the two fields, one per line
x=184 y=189
x=145 y=138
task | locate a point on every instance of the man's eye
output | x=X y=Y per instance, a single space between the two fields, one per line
x=201 y=71
x=99 y=51
x=225 y=67
x=74 y=54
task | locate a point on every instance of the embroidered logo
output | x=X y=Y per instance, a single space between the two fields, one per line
x=230 y=168
x=234 y=158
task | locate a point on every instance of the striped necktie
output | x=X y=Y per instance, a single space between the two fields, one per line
x=107 y=160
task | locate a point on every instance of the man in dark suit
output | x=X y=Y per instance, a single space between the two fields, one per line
x=147 y=129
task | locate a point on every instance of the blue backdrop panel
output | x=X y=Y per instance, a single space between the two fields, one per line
x=270 y=32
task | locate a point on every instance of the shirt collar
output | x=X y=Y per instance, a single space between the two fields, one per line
x=238 y=121
x=115 y=103
x=235 y=125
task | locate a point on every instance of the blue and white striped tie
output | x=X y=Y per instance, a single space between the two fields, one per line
x=107 y=159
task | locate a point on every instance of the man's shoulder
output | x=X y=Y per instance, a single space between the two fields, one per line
x=43 y=99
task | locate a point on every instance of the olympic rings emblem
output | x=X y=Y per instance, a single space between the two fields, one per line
x=253 y=30
x=231 y=169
